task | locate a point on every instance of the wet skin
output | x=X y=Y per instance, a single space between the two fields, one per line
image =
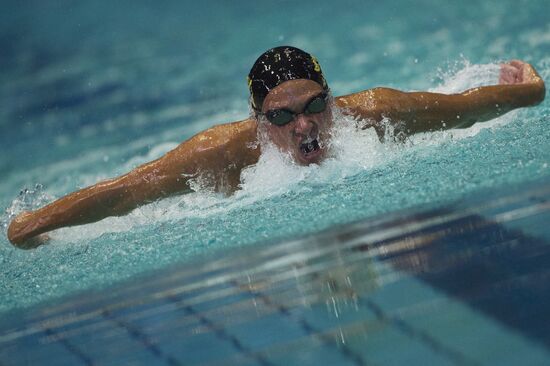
x=221 y=152
x=294 y=95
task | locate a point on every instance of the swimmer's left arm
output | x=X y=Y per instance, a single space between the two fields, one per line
x=413 y=112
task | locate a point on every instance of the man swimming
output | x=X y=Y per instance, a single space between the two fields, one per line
x=291 y=104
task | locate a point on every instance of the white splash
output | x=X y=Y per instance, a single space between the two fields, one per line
x=468 y=76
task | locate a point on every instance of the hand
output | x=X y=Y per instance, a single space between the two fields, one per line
x=18 y=232
x=518 y=72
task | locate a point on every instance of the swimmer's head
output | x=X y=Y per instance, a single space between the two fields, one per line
x=280 y=64
x=289 y=93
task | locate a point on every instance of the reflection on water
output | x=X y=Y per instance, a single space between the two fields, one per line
x=465 y=284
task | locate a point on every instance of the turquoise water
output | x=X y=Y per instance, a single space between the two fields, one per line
x=462 y=284
x=91 y=90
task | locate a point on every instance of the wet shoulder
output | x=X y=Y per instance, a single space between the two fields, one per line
x=227 y=133
x=369 y=104
x=235 y=141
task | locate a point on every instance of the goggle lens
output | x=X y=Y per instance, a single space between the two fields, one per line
x=281 y=117
x=317 y=105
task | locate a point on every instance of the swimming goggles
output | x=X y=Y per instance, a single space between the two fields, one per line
x=281 y=117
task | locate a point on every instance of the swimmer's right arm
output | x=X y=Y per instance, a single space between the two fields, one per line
x=212 y=150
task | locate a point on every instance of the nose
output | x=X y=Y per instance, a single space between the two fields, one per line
x=303 y=125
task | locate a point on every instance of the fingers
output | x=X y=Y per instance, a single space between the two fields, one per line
x=508 y=74
x=517 y=64
x=523 y=71
x=517 y=72
x=18 y=226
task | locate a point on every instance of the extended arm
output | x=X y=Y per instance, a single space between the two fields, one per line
x=221 y=152
x=413 y=112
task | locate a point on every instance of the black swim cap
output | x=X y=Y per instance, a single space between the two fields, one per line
x=280 y=64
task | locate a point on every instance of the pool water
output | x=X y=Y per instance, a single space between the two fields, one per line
x=91 y=90
x=465 y=283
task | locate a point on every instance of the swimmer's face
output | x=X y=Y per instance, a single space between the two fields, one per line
x=306 y=136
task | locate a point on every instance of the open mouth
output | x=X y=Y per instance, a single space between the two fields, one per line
x=309 y=146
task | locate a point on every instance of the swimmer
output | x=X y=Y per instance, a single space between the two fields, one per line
x=292 y=105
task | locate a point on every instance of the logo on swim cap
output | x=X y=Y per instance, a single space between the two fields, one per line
x=317 y=67
x=280 y=64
